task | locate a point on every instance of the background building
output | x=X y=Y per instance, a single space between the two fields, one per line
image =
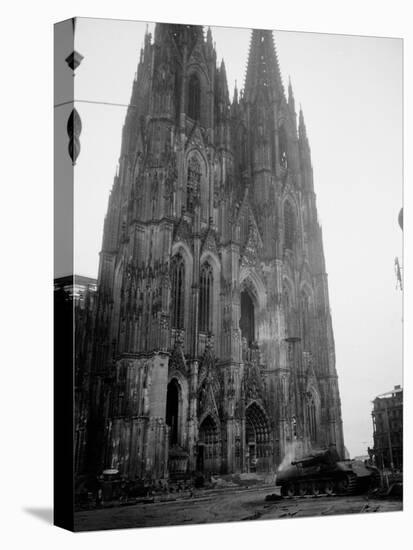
x=388 y=429
x=77 y=294
x=213 y=347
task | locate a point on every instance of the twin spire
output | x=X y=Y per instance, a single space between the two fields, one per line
x=263 y=69
x=291 y=100
x=302 y=130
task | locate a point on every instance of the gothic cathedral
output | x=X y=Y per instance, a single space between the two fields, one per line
x=213 y=349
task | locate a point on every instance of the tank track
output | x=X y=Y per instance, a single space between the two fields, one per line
x=350 y=484
x=353 y=485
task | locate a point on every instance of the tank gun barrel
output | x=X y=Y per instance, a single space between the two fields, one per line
x=306 y=461
x=318 y=457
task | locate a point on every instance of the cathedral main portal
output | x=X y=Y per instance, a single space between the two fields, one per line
x=209 y=451
x=257 y=440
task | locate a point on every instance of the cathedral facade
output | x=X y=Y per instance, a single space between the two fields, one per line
x=213 y=347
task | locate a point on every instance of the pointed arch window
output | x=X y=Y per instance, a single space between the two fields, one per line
x=289 y=226
x=193 y=185
x=312 y=418
x=288 y=312
x=194 y=97
x=247 y=318
x=242 y=144
x=205 y=298
x=282 y=147
x=305 y=319
x=178 y=291
x=208 y=434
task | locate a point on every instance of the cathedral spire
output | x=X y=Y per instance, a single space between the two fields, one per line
x=209 y=43
x=302 y=130
x=291 y=100
x=224 y=75
x=209 y=37
x=263 y=69
x=291 y=105
x=235 y=97
x=148 y=37
x=223 y=83
x=305 y=153
x=181 y=35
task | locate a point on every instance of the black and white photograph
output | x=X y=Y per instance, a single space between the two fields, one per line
x=232 y=284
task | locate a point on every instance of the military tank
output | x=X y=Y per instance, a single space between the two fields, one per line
x=323 y=472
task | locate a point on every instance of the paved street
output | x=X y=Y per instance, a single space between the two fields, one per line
x=224 y=506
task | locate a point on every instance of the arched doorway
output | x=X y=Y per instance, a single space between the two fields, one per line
x=209 y=459
x=247 y=319
x=172 y=411
x=257 y=440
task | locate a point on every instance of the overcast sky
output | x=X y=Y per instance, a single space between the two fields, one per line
x=350 y=89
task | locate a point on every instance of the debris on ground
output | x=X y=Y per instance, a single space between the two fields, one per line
x=395 y=490
x=255 y=515
x=273 y=497
x=290 y=514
